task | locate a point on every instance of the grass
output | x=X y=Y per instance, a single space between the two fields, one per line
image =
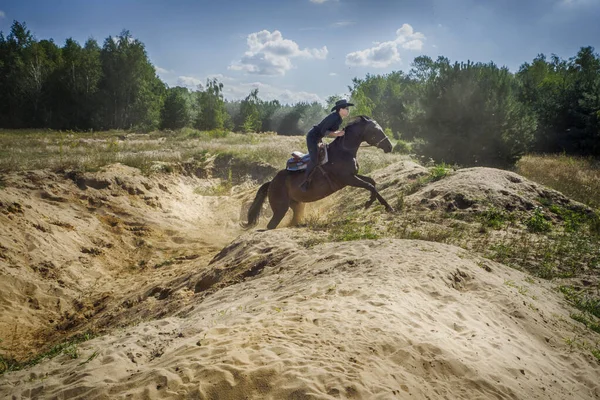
x=436 y=172
x=90 y=151
x=538 y=223
x=68 y=348
x=576 y=177
x=495 y=218
x=345 y=229
x=582 y=300
x=22 y=150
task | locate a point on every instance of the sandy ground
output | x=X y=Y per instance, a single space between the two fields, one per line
x=191 y=307
x=75 y=246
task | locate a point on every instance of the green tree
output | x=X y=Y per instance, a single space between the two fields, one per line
x=211 y=107
x=75 y=85
x=310 y=115
x=130 y=91
x=471 y=115
x=384 y=98
x=249 y=117
x=267 y=110
x=175 y=112
x=14 y=77
x=565 y=96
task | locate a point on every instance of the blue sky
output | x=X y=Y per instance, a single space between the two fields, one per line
x=304 y=50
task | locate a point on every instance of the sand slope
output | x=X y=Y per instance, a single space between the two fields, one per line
x=377 y=319
x=75 y=245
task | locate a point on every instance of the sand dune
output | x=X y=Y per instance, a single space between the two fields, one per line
x=73 y=245
x=274 y=314
x=368 y=319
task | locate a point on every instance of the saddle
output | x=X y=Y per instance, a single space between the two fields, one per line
x=299 y=161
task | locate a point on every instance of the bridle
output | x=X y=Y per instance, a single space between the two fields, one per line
x=364 y=145
x=377 y=144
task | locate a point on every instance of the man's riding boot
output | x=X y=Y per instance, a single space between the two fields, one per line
x=304 y=185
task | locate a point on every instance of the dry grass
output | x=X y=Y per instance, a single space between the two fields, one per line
x=22 y=150
x=576 y=177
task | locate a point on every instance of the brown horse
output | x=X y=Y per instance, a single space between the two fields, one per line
x=340 y=171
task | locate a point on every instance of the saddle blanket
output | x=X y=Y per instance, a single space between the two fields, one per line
x=299 y=161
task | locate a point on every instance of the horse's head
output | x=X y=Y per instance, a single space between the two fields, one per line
x=375 y=136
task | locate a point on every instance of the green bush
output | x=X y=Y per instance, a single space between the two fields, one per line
x=537 y=223
x=402 y=147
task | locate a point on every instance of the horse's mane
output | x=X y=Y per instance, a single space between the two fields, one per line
x=354 y=122
x=360 y=119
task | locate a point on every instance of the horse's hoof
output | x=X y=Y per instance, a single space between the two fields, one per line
x=390 y=209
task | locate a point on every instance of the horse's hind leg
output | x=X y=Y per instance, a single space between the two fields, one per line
x=278 y=215
x=373 y=196
x=298 y=209
x=280 y=203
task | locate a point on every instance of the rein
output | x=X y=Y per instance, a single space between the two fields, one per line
x=376 y=144
x=363 y=144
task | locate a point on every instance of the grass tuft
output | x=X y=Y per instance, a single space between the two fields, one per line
x=68 y=348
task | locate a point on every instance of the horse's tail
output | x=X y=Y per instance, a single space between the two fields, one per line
x=256 y=206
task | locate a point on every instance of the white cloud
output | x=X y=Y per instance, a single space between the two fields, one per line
x=269 y=92
x=189 y=82
x=332 y=74
x=192 y=82
x=379 y=56
x=413 y=45
x=221 y=77
x=271 y=54
x=161 y=70
x=318 y=1
x=576 y=3
x=386 y=53
x=341 y=24
x=290 y=97
x=2 y=14
x=409 y=39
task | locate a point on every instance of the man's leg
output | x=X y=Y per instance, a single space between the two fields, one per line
x=313 y=149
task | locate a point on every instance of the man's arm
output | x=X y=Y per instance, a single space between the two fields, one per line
x=330 y=126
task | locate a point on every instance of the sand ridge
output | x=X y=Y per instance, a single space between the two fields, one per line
x=190 y=306
x=367 y=319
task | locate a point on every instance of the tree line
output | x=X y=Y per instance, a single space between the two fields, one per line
x=481 y=114
x=462 y=112
x=115 y=86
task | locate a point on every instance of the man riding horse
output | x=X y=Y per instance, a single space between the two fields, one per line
x=341 y=170
x=328 y=127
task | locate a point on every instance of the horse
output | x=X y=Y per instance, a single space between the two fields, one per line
x=340 y=171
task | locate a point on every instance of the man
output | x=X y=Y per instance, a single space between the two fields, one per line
x=328 y=127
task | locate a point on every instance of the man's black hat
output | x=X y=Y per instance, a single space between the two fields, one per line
x=341 y=104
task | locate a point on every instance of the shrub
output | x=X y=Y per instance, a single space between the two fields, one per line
x=402 y=147
x=537 y=223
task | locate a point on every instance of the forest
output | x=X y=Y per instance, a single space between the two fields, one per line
x=458 y=112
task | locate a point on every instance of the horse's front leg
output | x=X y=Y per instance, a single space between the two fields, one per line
x=357 y=181
x=373 y=197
